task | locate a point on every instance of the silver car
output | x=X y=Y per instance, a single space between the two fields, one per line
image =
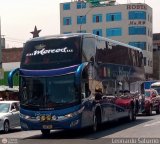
x=9 y=115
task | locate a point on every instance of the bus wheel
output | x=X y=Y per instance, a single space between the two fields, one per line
x=95 y=123
x=45 y=132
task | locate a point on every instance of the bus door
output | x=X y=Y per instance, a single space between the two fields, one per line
x=86 y=98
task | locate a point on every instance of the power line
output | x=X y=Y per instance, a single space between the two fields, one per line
x=9 y=39
x=15 y=39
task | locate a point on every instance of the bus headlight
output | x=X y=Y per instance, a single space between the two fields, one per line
x=42 y=118
x=48 y=117
x=38 y=118
x=24 y=116
x=54 y=117
x=70 y=115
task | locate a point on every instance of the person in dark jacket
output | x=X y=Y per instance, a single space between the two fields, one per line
x=98 y=94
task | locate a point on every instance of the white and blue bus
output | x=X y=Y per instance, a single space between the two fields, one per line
x=59 y=74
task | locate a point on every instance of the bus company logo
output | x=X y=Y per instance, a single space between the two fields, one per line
x=40 y=50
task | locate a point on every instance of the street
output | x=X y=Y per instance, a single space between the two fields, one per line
x=147 y=127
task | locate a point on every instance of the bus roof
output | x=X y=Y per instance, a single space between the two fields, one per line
x=82 y=35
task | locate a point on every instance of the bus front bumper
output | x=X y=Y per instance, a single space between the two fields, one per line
x=70 y=123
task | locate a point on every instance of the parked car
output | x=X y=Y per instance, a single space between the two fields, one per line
x=149 y=102
x=9 y=115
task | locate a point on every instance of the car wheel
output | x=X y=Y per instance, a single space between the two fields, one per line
x=45 y=132
x=6 y=126
x=149 y=113
x=158 y=110
x=132 y=114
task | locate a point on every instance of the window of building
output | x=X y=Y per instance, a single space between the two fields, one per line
x=67 y=21
x=113 y=32
x=137 y=15
x=137 y=30
x=81 y=19
x=156 y=36
x=141 y=45
x=97 y=32
x=81 y=5
x=66 y=6
x=113 y=17
x=97 y=18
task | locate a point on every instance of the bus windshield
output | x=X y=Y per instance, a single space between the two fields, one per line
x=48 y=92
x=51 y=53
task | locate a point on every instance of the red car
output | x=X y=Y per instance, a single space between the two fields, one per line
x=150 y=102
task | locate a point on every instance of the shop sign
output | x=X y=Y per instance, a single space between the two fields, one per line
x=136 y=7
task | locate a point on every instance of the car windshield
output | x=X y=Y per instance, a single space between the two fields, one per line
x=48 y=92
x=4 y=107
x=157 y=88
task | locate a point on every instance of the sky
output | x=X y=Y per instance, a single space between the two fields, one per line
x=19 y=17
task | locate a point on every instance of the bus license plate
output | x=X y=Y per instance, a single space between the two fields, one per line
x=47 y=126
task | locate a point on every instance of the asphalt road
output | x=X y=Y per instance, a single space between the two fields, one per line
x=146 y=129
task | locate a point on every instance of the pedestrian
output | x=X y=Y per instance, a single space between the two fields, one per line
x=98 y=94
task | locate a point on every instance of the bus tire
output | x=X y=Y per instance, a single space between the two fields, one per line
x=45 y=132
x=96 y=120
x=95 y=123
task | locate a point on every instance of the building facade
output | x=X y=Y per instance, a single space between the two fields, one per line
x=156 y=56
x=10 y=60
x=129 y=23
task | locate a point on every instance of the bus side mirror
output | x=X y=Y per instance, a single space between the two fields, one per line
x=82 y=95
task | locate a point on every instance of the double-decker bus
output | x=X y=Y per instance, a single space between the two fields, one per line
x=60 y=76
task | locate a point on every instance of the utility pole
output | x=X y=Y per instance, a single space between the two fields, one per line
x=1 y=71
x=0 y=46
x=85 y=16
